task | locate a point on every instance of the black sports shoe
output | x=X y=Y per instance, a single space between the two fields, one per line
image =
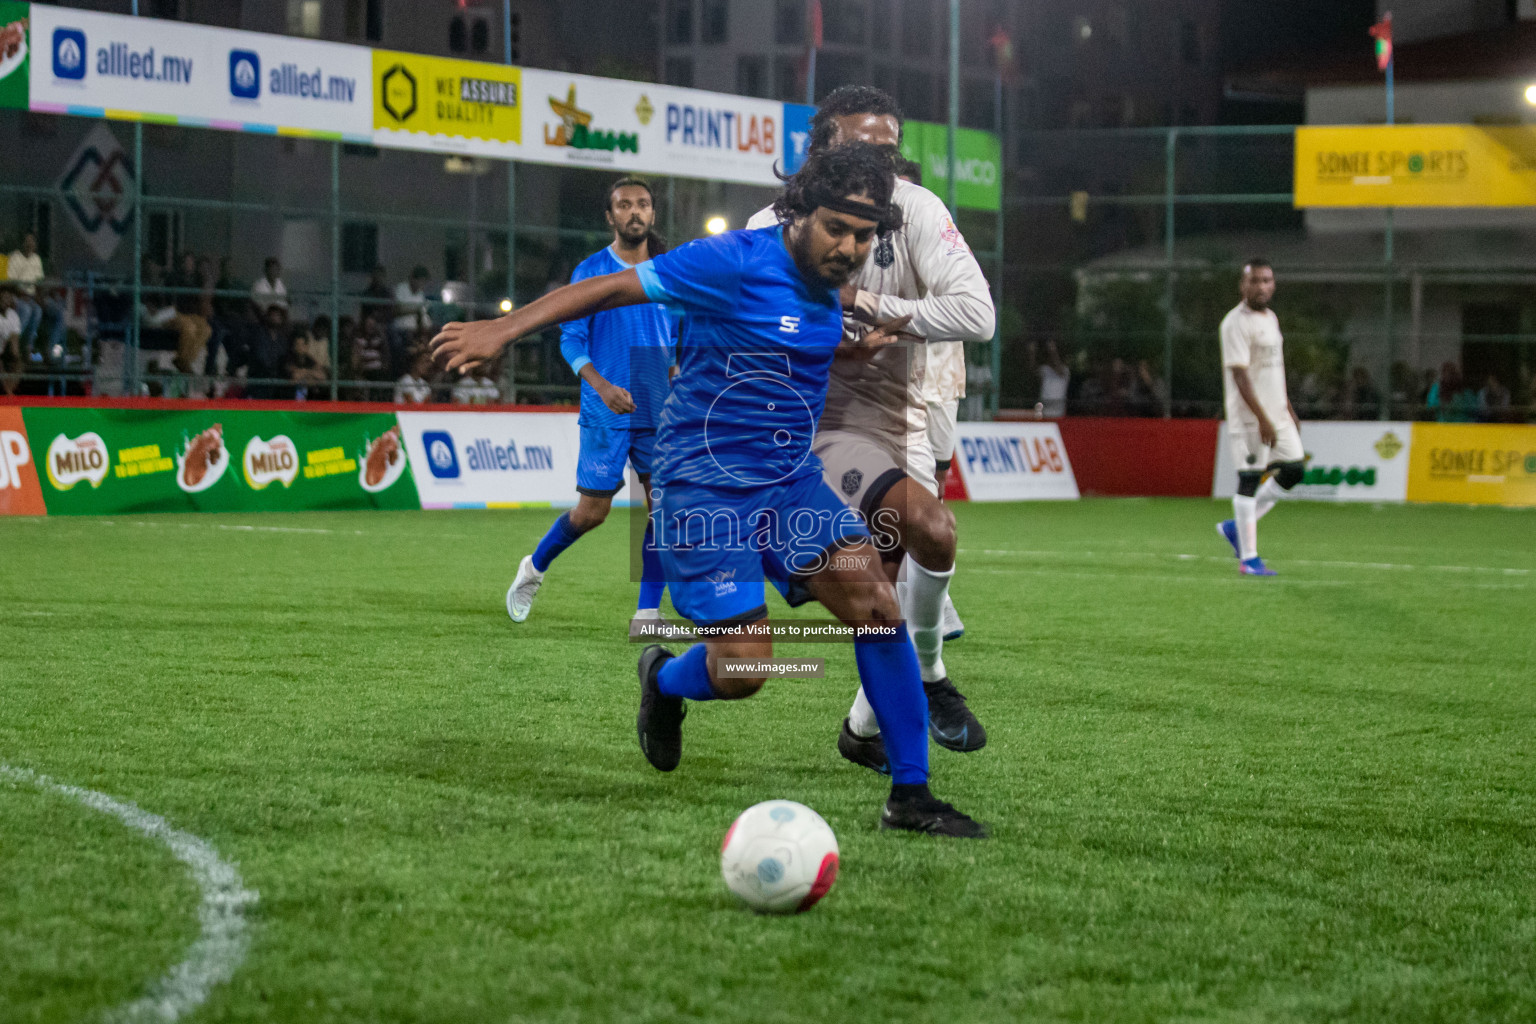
x=868 y=751
x=950 y=722
x=660 y=721
x=914 y=809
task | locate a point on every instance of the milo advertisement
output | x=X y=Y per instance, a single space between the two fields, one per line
x=217 y=460
x=15 y=45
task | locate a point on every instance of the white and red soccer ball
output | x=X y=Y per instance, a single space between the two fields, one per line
x=780 y=857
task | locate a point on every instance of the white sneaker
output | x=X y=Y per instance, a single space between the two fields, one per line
x=520 y=594
x=954 y=629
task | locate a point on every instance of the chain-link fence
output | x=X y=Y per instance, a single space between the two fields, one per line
x=1126 y=251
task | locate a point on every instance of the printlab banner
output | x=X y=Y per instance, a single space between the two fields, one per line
x=216 y=460
x=493 y=459
x=1416 y=165
x=1346 y=462
x=1479 y=464
x=109 y=65
x=1014 y=462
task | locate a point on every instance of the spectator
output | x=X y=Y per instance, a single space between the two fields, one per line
x=481 y=390
x=270 y=290
x=1055 y=378
x=370 y=354
x=233 y=324
x=191 y=326
x=318 y=341
x=410 y=309
x=1360 y=397
x=26 y=269
x=415 y=385
x=269 y=353
x=304 y=370
x=377 y=297
x=1449 y=399
x=1493 y=401
x=10 y=340
x=1150 y=390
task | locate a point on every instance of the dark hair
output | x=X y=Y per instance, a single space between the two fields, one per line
x=269 y=261
x=851 y=99
x=655 y=244
x=833 y=174
x=1256 y=263
x=419 y=271
x=909 y=169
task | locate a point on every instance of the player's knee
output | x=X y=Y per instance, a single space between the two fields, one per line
x=1248 y=484
x=931 y=537
x=589 y=515
x=734 y=684
x=1290 y=474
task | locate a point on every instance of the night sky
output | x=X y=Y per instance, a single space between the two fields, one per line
x=1257 y=29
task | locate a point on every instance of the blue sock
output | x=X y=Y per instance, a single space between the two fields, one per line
x=688 y=676
x=653 y=579
x=560 y=536
x=893 y=684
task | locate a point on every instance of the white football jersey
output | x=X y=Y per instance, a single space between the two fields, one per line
x=1252 y=339
x=923 y=268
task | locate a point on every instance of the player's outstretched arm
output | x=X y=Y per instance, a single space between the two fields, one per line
x=465 y=347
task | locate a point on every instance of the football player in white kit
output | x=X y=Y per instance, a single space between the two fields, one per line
x=943 y=387
x=873 y=437
x=1263 y=429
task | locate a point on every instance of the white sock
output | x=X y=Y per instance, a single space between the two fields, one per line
x=1246 y=514
x=861 y=717
x=1269 y=493
x=924 y=612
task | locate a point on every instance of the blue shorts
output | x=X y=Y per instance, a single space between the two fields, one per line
x=604 y=451
x=718 y=545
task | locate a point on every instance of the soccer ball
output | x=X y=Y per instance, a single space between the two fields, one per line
x=780 y=857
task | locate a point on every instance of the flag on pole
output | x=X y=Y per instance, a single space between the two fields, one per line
x=1002 y=53
x=813 y=17
x=1382 y=32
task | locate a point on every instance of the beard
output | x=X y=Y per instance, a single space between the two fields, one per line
x=831 y=272
x=634 y=231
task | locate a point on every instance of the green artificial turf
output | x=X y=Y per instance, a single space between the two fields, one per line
x=1310 y=798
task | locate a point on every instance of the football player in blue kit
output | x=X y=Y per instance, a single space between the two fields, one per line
x=623 y=357
x=740 y=496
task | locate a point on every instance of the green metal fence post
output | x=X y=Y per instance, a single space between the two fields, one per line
x=995 y=399
x=1170 y=157
x=954 y=102
x=335 y=266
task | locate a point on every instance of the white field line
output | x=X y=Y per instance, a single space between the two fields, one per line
x=1384 y=566
x=222 y=940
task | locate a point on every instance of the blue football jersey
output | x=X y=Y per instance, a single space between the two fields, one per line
x=632 y=347
x=757 y=346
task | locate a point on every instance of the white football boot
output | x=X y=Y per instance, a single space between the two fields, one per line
x=521 y=593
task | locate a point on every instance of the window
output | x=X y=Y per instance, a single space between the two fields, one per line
x=880 y=34
x=479 y=36
x=715 y=25
x=163 y=235
x=458 y=36
x=789 y=22
x=843 y=22
x=752 y=76
x=359 y=248
x=679 y=71
x=37 y=217
x=365 y=20
x=916 y=28
x=304 y=18
x=836 y=69
x=790 y=85
x=917 y=96
x=1189 y=42
x=680 y=23
x=976 y=96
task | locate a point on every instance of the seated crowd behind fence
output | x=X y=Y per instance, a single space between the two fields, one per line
x=206 y=333
x=223 y=338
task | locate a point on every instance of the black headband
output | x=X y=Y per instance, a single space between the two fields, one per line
x=881 y=215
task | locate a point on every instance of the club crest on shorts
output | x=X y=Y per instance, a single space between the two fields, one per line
x=851 y=481
x=885 y=253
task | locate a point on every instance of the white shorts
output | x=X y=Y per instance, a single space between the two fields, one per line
x=862 y=469
x=1251 y=455
x=941 y=428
